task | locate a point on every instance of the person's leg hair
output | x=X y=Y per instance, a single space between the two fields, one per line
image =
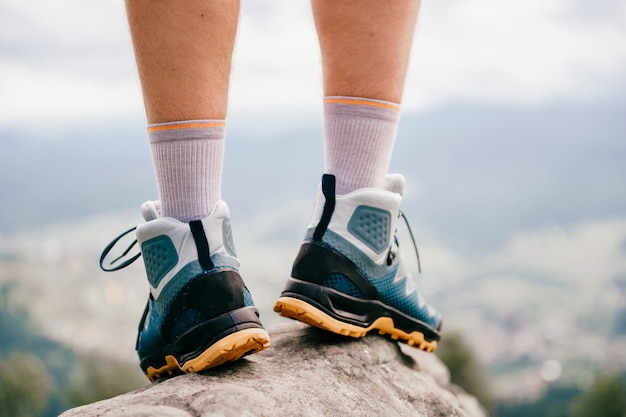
x=183 y=51
x=365 y=47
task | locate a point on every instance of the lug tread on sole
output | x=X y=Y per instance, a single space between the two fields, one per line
x=306 y=313
x=229 y=349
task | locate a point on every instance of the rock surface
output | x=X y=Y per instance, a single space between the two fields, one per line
x=307 y=372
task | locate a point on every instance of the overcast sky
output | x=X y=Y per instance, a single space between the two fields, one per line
x=71 y=61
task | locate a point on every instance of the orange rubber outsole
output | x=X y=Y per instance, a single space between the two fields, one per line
x=294 y=308
x=229 y=349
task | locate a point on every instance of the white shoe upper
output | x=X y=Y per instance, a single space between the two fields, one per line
x=216 y=227
x=382 y=204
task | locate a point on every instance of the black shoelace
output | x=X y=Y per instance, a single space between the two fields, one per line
x=124 y=264
x=417 y=254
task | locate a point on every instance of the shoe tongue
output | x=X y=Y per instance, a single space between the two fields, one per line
x=151 y=210
x=395 y=183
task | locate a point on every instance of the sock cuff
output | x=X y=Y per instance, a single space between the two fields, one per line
x=186 y=130
x=343 y=106
x=359 y=136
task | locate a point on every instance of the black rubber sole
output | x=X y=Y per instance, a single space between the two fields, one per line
x=339 y=313
x=223 y=339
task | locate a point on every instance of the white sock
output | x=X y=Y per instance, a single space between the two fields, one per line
x=359 y=137
x=188 y=159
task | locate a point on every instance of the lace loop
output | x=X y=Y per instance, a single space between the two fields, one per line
x=110 y=246
x=417 y=254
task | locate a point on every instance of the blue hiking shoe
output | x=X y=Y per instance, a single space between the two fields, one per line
x=348 y=277
x=199 y=313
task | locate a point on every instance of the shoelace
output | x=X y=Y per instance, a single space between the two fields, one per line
x=110 y=246
x=417 y=254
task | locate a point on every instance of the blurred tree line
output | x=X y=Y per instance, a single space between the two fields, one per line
x=41 y=378
x=605 y=398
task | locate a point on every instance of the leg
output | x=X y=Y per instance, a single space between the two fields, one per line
x=183 y=52
x=365 y=48
x=348 y=277
x=199 y=314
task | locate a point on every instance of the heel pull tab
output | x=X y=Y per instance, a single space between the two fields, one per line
x=328 y=188
x=202 y=244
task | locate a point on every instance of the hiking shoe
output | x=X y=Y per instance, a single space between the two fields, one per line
x=199 y=313
x=348 y=277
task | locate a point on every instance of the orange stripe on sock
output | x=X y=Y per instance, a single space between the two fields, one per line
x=186 y=126
x=355 y=102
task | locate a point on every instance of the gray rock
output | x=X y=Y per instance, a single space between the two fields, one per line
x=307 y=372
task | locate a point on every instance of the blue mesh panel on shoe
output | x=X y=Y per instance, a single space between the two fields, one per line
x=382 y=277
x=394 y=294
x=247 y=298
x=361 y=260
x=372 y=226
x=188 y=273
x=159 y=257
x=150 y=335
x=188 y=319
x=176 y=284
x=340 y=283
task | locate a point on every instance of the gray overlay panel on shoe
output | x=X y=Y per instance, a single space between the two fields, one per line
x=160 y=257
x=229 y=243
x=371 y=226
